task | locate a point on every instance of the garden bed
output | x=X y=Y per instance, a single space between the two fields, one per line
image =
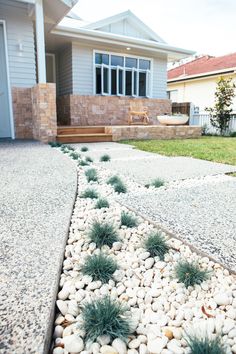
x=144 y=281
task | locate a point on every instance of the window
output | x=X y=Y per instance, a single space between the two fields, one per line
x=122 y=75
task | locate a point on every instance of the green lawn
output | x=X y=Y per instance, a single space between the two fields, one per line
x=210 y=148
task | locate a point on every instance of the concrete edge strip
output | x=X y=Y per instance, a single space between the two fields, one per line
x=50 y=326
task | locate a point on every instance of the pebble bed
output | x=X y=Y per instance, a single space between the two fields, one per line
x=162 y=310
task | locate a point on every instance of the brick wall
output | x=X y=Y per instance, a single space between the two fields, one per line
x=34 y=111
x=105 y=110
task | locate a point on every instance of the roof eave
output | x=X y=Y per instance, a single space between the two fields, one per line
x=203 y=75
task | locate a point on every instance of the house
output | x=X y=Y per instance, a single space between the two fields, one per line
x=71 y=72
x=196 y=80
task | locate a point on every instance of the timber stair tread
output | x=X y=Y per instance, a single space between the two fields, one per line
x=82 y=134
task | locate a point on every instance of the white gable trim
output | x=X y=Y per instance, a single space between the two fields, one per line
x=122 y=16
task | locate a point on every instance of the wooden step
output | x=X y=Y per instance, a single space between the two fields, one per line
x=71 y=130
x=84 y=138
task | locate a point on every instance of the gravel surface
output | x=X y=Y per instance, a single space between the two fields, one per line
x=200 y=211
x=144 y=166
x=38 y=186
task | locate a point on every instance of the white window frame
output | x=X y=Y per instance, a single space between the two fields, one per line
x=104 y=66
x=124 y=69
x=3 y=22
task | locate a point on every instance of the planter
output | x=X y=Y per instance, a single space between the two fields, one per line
x=179 y=119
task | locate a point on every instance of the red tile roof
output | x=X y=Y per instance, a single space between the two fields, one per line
x=203 y=65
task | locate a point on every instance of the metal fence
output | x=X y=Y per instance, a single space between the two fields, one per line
x=204 y=121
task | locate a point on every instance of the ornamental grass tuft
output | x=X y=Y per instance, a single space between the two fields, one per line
x=102 y=203
x=54 y=144
x=84 y=149
x=120 y=187
x=156 y=245
x=205 y=345
x=103 y=234
x=91 y=175
x=88 y=159
x=105 y=158
x=83 y=163
x=157 y=183
x=74 y=155
x=128 y=220
x=105 y=317
x=99 y=267
x=68 y=147
x=114 y=180
x=190 y=273
x=89 y=193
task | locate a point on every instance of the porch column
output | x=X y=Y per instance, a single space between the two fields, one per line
x=40 y=42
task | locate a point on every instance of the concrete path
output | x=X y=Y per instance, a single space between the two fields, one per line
x=143 y=166
x=38 y=187
x=198 y=205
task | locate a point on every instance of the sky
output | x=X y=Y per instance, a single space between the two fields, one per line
x=204 y=26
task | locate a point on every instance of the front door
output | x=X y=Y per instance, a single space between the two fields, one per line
x=5 y=120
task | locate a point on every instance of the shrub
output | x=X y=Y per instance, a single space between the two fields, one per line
x=233 y=134
x=105 y=317
x=83 y=163
x=102 y=203
x=120 y=187
x=128 y=220
x=114 y=180
x=156 y=245
x=89 y=193
x=100 y=267
x=103 y=234
x=190 y=273
x=205 y=345
x=84 y=149
x=88 y=159
x=74 y=155
x=54 y=144
x=156 y=183
x=105 y=158
x=91 y=175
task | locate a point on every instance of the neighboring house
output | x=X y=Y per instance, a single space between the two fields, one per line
x=196 y=81
x=95 y=70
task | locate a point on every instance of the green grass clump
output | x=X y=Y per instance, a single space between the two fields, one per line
x=68 y=147
x=128 y=220
x=91 y=175
x=190 y=273
x=54 y=144
x=120 y=187
x=89 y=193
x=105 y=317
x=101 y=203
x=205 y=345
x=103 y=234
x=114 y=180
x=84 y=149
x=74 y=155
x=156 y=183
x=100 y=267
x=156 y=245
x=105 y=158
x=83 y=163
x=88 y=159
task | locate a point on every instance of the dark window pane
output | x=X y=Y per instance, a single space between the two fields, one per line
x=101 y=58
x=131 y=62
x=120 y=82
x=142 y=84
x=117 y=60
x=98 y=81
x=128 y=83
x=113 y=81
x=105 y=80
x=144 y=64
x=135 y=83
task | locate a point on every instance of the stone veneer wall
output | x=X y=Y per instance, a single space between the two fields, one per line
x=34 y=111
x=105 y=110
x=22 y=112
x=153 y=132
